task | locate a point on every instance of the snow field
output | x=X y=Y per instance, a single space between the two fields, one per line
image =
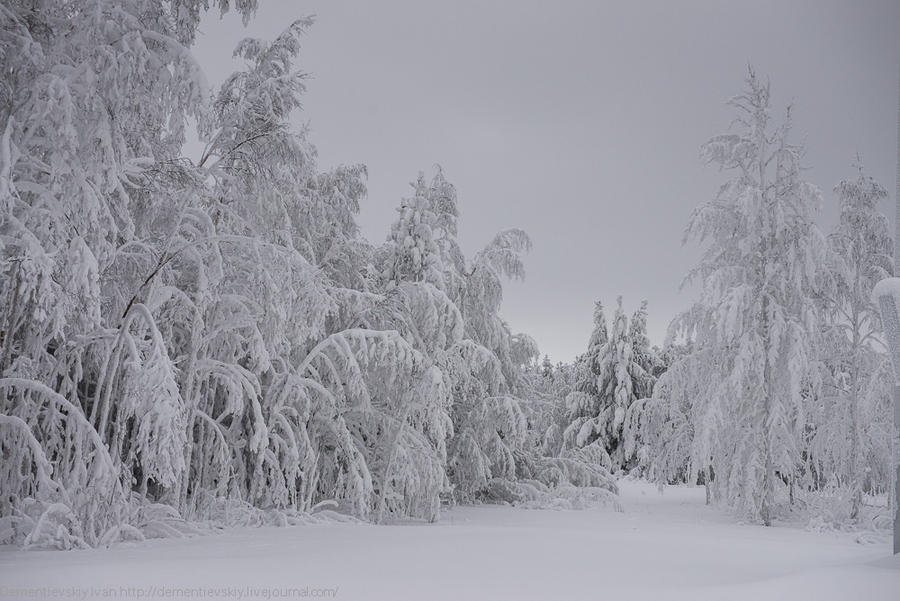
x=667 y=546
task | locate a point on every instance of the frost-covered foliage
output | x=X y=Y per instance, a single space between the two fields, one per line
x=414 y=252
x=849 y=431
x=499 y=414
x=94 y=201
x=662 y=429
x=208 y=339
x=779 y=399
x=756 y=324
x=616 y=370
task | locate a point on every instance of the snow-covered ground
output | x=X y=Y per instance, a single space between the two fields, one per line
x=662 y=547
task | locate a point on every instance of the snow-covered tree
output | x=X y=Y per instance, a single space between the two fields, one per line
x=644 y=356
x=584 y=403
x=547 y=368
x=613 y=377
x=665 y=430
x=414 y=252
x=587 y=380
x=756 y=320
x=849 y=440
x=93 y=190
x=177 y=344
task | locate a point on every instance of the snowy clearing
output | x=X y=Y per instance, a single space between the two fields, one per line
x=662 y=547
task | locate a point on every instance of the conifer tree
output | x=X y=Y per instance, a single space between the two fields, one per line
x=584 y=402
x=612 y=377
x=415 y=255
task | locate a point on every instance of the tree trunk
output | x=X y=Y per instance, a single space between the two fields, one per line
x=706 y=486
x=768 y=484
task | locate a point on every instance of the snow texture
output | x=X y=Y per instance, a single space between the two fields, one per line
x=664 y=546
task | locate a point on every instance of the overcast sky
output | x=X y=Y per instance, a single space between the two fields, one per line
x=580 y=122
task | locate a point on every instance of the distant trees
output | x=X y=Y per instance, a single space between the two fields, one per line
x=414 y=253
x=499 y=409
x=615 y=371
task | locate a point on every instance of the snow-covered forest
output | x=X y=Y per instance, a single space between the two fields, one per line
x=189 y=343
x=213 y=340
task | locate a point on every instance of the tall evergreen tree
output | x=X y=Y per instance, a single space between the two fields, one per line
x=644 y=356
x=611 y=378
x=584 y=402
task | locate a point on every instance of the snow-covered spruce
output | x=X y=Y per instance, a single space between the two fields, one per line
x=615 y=371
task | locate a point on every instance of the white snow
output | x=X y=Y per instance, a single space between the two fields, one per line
x=666 y=546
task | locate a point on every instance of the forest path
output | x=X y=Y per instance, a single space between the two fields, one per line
x=667 y=546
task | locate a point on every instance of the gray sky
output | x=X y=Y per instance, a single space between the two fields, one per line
x=580 y=122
